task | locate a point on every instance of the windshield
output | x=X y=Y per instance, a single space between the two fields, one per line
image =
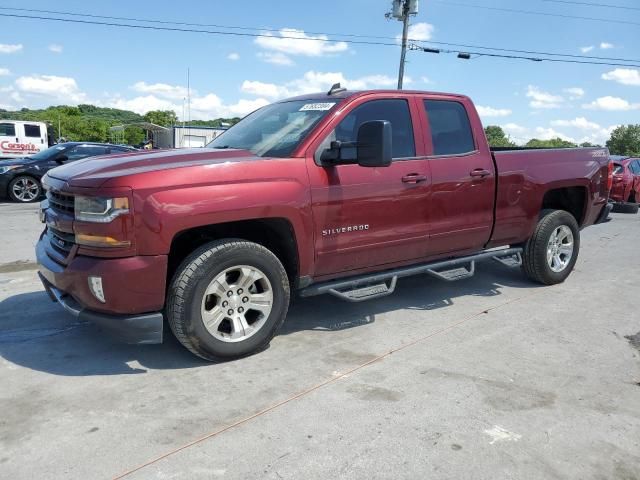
x=49 y=153
x=275 y=130
x=618 y=169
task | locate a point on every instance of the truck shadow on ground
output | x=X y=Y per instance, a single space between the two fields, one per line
x=37 y=334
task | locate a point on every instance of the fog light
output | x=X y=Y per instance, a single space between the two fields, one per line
x=95 y=285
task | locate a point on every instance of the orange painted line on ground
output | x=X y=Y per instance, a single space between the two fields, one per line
x=316 y=387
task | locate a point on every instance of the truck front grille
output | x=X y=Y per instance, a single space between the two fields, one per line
x=61 y=202
x=62 y=242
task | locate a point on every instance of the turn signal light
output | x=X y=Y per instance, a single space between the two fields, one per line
x=100 y=241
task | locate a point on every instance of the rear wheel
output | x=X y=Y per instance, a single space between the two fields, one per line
x=625 y=207
x=24 y=189
x=551 y=252
x=228 y=299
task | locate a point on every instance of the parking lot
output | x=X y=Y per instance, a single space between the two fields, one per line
x=492 y=377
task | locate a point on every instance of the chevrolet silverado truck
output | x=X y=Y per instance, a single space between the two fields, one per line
x=340 y=193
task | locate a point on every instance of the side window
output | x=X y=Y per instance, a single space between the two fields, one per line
x=84 y=151
x=451 y=132
x=32 y=131
x=636 y=167
x=618 y=169
x=395 y=111
x=7 y=130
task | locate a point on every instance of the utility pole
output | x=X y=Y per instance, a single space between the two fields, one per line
x=401 y=10
x=405 y=32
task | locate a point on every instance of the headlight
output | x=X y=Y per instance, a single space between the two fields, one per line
x=99 y=209
x=6 y=169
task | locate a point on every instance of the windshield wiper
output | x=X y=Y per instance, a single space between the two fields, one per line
x=222 y=147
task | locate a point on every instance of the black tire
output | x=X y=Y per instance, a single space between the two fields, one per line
x=534 y=259
x=188 y=287
x=625 y=207
x=33 y=194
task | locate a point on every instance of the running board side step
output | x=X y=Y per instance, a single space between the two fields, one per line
x=374 y=285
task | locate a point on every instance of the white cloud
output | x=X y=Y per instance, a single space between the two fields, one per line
x=10 y=48
x=612 y=104
x=625 y=76
x=269 y=90
x=542 y=133
x=275 y=58
x=579 y=123
x=587 y=49
x=56 y=88
x=162 y=90
x=575 y=92
x=299 y=43
x=419 y=31
x=204 y=107
x=426 y=80
x=4 y=72
x=489 y=112
x=606 y=46
x=313 y=81
x=55 y=48
x=541 y=99
x=233 y=56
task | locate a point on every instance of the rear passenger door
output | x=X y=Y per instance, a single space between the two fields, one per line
x=463 y=179
x=34 y=134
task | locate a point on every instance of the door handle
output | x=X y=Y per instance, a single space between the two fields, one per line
x=480 y=172
x=414 y=178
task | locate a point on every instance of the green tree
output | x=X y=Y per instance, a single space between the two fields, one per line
x=588 y=144
x=497 y=138
x=164 y=118
x=552 y=143
x=625 y=140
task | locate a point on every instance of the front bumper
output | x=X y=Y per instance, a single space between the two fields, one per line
x=133 y=286
x=132 y=329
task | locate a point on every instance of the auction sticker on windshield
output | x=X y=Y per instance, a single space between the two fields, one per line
x=317 y=106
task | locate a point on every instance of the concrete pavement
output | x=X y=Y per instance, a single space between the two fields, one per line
x=492 y=377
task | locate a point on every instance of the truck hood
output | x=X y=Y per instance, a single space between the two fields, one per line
x=95 y=171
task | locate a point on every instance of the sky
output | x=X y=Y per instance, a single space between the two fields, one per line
x=52 y=63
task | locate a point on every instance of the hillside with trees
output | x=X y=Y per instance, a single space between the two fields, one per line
x=90 y=123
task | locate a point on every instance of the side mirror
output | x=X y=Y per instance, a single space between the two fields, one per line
x=62 y=158
x=374 y=144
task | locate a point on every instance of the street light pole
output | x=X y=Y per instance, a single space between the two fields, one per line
x=405 y=32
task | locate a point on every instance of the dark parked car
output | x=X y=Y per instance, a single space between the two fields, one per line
x=626 y=184
x=20 y=178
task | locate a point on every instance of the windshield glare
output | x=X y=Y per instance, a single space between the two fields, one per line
x=49 y=153
x=275 y=130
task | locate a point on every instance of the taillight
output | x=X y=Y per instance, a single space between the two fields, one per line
x=610 y=177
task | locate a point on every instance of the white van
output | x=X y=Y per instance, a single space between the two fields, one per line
x=21 y=138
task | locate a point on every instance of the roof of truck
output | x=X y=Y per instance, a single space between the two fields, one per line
x=350 y=93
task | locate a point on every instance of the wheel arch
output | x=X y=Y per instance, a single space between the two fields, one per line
x=572 y=199
x=275 y=234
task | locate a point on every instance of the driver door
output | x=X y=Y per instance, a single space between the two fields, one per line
x=367 y=217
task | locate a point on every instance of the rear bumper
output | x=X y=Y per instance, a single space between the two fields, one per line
x=134 y=289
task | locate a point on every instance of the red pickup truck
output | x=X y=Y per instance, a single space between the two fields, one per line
x=341 y=193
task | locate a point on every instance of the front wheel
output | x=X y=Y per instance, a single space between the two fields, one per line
x=228 y=299
x=24 y=189
x=552 y=251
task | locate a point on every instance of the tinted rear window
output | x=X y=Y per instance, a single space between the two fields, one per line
x=32 y=131
x=7 y=130
x=450 y=127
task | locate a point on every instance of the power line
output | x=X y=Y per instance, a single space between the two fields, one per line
x=186 y=24
x=262 y=35
x=334 y=34
x=532 y=12
x=530 y=52
x=606 y=5
x=466 y=55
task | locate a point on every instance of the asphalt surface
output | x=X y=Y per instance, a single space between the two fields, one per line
x=488 y=378
x=19 y=232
